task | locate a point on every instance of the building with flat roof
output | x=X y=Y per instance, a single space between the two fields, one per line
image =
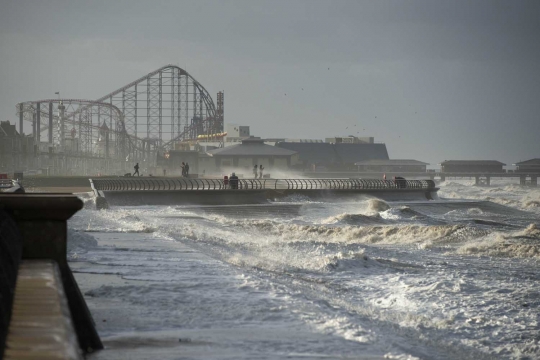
x=312 y=155
x=242 y=157
x=531 y=166
x=236 y=133
x=392 y=166
x=334 y=157
x=351 y=153
x=350 y=140
x=472 y=166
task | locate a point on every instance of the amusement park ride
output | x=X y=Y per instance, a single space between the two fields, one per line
x=150 y=115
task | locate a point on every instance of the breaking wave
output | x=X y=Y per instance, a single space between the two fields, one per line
x=386 y=234
x=79 y=242
x=368 y=258
x=377 y=205
x=88 y=199
x=523 y=244
x=354 y=219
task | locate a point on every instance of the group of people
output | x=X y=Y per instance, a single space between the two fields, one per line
x=258 y=172
x=231 y=182
x=185 y=169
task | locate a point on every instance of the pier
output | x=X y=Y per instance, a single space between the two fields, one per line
x=485 y=178
x=481 y=178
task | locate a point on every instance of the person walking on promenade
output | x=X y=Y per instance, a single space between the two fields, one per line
x=261 y=168
x=255 y=171
x=183 y=169
x=136 y=167
x=187 y=170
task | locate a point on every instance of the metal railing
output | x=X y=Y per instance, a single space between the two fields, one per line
x=170 y=184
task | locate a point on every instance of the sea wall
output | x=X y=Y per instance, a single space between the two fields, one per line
x=238 y=197
x=34 y=228
x=56 y=181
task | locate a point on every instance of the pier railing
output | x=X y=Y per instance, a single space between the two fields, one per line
x=170 y=184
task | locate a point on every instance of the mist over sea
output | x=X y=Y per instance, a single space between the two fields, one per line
x=454 y=278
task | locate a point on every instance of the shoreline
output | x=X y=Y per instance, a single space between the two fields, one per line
x=204 y=309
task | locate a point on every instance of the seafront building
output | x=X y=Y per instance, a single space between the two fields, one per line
x=241 y=158
x=335 y=154
x=238 y=150
x=531 y=166
x=392 y=166
x=472 y=166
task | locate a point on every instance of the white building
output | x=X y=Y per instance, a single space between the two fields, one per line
x=236 y=133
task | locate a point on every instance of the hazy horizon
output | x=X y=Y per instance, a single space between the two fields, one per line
x=433 y=80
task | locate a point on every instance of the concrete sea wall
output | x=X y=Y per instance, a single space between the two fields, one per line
x=238 y=197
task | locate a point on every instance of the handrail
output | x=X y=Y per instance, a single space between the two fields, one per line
x=186 y=184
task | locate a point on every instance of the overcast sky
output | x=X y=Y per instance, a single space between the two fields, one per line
x=434 y=80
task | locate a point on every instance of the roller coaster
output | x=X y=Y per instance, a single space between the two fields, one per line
x=150 y=115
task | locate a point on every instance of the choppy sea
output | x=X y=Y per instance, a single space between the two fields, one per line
x=454 y=278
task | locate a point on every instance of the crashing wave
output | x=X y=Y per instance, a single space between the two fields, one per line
x=377 y=205
x=78 y=242
x=523 y=244
x=387 y=234
x=354 y=219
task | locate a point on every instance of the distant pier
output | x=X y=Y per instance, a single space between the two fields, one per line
x=481 y=178
x=485 y=178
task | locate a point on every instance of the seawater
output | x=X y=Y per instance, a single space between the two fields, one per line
x=454 y=278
